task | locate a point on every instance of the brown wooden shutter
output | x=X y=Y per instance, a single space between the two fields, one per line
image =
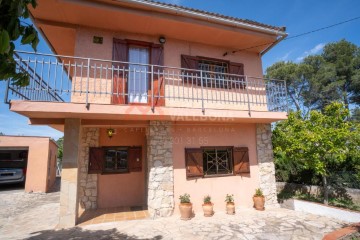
x=96 y=159
x=135 y=159
x=157 y=58
x=238 y=69
x=120 y=53
x=190 y=62
x=241 y=160
x=194 y=162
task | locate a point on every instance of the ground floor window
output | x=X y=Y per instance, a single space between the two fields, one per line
x=216 y=161
x=115 y=159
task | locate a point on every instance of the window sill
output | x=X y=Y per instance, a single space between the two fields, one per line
x=115 y=172
x=218 y=175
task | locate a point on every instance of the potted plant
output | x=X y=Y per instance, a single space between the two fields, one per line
x=208 y=206
x=230 y=205
x=185 y=207
x=259 y=200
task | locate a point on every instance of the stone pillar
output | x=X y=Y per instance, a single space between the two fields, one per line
x=266 y=164
x=69 y=174
x=160 y=167
x=88 y=182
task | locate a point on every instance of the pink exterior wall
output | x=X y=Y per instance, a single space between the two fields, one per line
x=173 y=49
x=126 y=189
x=193 y=136
x=38 y=160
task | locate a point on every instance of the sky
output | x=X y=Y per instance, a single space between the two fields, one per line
x=298 y=16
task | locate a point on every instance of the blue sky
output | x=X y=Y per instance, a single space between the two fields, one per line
x=297 y=15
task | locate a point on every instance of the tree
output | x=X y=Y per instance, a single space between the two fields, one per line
x=344 y=58
x=2 y=134
x=321 y=79
x=319 y=142
x=60 y=143
x=12 y=27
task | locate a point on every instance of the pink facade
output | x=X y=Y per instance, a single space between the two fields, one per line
x=95 y=172
x=42 y=157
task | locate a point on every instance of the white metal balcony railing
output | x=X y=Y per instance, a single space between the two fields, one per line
x=57 y=78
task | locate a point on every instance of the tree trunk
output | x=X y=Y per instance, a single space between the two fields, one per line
x=326 y=190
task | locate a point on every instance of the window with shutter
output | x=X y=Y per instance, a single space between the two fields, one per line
x=241 y=160
x=194 y=162
x=135 y=159
x=122 y=94
x=215 y=72
x=96 y=160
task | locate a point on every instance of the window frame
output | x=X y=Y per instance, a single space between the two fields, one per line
x=99 y=160
x=230 y=160
x=195 y=167
x=116 y=148
x=233 y=68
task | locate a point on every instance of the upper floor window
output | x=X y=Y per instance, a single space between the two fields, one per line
x=216 y=73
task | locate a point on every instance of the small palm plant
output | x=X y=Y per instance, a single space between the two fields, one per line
x=184 y=198
x=207 y=199
x=258 y=193
x=229 y=198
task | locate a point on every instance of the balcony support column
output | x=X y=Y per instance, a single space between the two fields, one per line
x=266 y=164
x=69 y=174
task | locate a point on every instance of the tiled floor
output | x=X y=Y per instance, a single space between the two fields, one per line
x=113 y=215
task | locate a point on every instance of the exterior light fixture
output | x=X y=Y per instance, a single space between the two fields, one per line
x=110 y=132
x=162 y=40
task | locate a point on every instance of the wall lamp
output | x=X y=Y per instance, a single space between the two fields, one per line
x=162 y=40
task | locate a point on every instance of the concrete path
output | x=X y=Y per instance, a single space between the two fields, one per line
x=34 y=216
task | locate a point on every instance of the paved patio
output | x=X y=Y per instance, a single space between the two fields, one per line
x=34 y=216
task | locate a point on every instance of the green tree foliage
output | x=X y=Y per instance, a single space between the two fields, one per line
x=12 y=27
x=60 y=143
x=321 y=79
x=318 y=143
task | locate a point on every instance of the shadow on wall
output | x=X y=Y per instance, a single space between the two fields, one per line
x=79 y=233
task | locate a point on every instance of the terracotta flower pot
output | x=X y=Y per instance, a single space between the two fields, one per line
x=185 y=211
x=208 y=209
x=230 y=208
x=259 y=202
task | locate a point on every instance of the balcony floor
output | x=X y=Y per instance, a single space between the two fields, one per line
x=54 y=113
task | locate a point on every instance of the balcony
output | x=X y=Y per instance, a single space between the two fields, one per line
x=88 y=81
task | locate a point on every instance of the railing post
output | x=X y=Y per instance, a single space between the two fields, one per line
x=247 y=93
x=202 y=91
x=152 y=88
x=7 y=91
x=286 y=96
x=87 y=84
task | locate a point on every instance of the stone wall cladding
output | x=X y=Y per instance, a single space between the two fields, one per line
x=160 y=165
x=266 y=164
x=87 y=182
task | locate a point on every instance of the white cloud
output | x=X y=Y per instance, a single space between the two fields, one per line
x=318 y=48
x=285 y=57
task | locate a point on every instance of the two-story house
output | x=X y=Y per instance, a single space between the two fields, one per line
x=155 y=100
